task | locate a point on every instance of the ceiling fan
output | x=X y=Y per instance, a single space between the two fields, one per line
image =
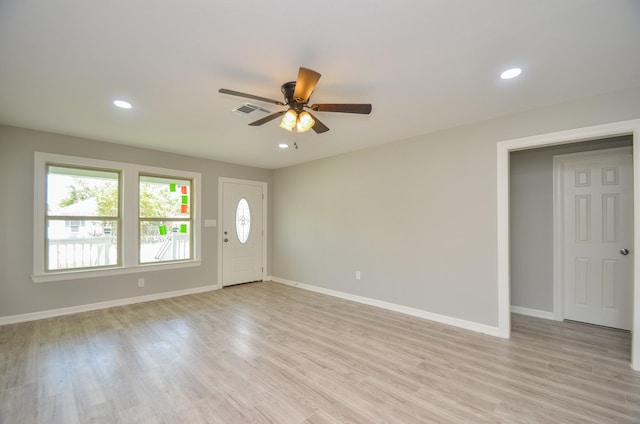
x=296 y=97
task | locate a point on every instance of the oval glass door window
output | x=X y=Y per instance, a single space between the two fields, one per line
x=243 y=220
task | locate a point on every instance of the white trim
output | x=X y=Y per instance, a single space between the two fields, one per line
x=537 y=313
x=13 y=319
x=558 y=244
x=419 y=313
x=559 y=163
x=128 y=219
x=504 y=264
x=504 y=148
x=109 y=272
x=635 y=326
x=265 y=232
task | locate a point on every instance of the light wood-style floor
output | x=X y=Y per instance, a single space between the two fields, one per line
x=269 y=353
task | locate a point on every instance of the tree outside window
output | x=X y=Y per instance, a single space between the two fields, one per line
x=82 y=218
x=165 y=216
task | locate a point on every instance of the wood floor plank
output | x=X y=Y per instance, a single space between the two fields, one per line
x=269 y=353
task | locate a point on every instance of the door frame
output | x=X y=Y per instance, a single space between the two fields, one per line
x=504 y=148
x=265 y=232
x=558 y=221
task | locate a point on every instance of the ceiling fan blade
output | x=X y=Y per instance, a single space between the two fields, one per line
x=361 y=108
x=250 y=96
x=305 y=84
x=318 y=127
x=267 y=118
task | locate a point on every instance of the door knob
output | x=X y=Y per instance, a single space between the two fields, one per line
x=624 y=252
x=226 y=240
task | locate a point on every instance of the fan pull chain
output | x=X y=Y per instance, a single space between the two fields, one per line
x=295 y=138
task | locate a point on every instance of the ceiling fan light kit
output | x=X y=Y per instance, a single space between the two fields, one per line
x=296 y=95
x=300 y=121
x=305 y=122
x=289 y=120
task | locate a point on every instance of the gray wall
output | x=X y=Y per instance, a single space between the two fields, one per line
x=19 y=295
x=531 y=220
x=417 y=217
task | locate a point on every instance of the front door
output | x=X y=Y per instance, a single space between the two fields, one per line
x=241 y=231
x=598 y=237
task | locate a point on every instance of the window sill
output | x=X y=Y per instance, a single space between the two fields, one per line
x=107 y=272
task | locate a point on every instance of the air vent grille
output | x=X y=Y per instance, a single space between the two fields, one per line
x=250 y=110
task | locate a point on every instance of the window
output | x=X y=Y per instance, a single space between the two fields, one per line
x=165 y=218
x=81 y=218
x=243 y=221
x=94 y=218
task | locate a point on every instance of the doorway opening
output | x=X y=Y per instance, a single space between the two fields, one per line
x=533 y=225
x=565 y=138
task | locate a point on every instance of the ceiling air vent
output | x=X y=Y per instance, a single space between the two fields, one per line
x=251 y=111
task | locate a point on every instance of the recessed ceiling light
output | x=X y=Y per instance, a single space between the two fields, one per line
x=511 y=73
x=122 y=104
x=283 y=145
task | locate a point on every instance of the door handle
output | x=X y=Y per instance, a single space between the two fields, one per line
x=226 y=240
x=624 y=252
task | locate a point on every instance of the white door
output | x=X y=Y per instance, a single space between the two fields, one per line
x=598 y=236
x=242 y=232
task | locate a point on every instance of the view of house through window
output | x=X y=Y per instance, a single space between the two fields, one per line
x=82 y=218
x=165 y=218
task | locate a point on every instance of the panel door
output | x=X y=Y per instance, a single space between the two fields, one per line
x=242 y=232
x=598 y=226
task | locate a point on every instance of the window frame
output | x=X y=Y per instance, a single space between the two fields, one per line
x=70 y=219
x=188 y=218
x=129 y=218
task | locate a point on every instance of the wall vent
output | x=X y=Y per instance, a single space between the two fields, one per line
x=251 y=111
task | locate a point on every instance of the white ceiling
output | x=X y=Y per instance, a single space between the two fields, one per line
x=423 y=65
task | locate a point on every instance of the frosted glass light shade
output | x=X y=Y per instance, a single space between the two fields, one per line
x=305 y=122
x=289 y=120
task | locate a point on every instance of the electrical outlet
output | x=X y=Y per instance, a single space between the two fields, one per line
x=358 y=275
x=140 y=282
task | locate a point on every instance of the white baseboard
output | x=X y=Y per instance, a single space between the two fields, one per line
x=443 y=319
x=102 y=305
x=532 y=312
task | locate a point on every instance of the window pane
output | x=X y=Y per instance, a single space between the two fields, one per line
x=243 y=221
x=165 y=241
x=81 y=192
x=162 y=197
x=81 y=244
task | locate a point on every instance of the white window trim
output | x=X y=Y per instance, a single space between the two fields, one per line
x=128 y=218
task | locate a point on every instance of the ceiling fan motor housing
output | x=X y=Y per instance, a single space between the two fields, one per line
x=288 y=88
